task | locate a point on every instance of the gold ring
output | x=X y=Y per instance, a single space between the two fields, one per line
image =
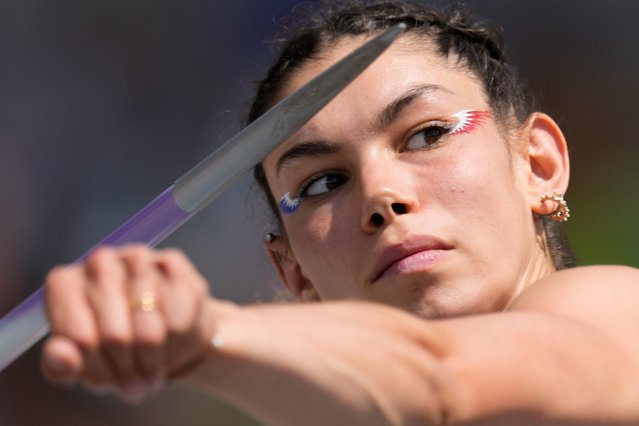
x=145 y=302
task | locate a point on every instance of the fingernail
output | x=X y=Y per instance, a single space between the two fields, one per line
x=57 y=364
x=60 y=372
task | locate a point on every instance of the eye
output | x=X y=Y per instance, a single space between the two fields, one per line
x=428 y=137
x=318 y=185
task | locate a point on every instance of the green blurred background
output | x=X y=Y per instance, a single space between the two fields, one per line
x=104 y=103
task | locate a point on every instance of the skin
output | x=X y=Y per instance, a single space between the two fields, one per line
x=514 y=341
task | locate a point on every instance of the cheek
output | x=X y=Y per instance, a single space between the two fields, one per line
x=324 y=247
x=317 y=237
x=489 y=215
x=316 y=229
x=326 y=224
x=477 y=181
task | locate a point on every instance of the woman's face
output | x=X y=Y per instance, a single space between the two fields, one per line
x=395 y=207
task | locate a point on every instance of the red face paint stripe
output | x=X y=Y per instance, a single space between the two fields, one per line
x=469 y=120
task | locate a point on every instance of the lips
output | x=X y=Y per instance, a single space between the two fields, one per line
x=413 y=254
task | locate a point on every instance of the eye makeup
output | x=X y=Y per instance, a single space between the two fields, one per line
x=468 y=120
x=289 y=205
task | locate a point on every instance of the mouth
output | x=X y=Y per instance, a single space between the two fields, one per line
x=414 y=254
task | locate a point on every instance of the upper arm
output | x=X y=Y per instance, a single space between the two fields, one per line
x=566 y=348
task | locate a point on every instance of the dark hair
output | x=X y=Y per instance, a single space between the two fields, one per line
x=476 y=45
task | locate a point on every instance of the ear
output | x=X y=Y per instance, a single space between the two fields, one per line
x=289 y=271
x=547 y=164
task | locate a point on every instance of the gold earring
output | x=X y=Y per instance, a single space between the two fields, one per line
x=561 y=213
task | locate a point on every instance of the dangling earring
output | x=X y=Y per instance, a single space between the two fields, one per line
x=561 y=213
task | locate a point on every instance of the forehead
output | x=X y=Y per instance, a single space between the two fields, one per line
x=411 y=57
x=411 y=62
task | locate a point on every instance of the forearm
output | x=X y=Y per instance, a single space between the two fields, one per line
x=291 y=365
x=311 y=365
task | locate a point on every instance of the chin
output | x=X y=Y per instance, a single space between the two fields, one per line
x=440 y=294
x=451 y=304
x=437 y=311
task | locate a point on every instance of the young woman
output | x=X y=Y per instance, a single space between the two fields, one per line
x=423 y=208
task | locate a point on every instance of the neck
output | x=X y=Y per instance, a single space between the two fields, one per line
x=540 y=263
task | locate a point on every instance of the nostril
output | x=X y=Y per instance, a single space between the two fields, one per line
x=399 y=208
x=377 y=219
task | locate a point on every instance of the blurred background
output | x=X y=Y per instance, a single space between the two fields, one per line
x=104 y=103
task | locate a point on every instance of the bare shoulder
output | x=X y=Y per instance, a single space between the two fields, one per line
x=583 y=285
x=605 y=296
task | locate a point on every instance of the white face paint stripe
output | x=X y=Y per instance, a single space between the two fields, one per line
x=469 y=120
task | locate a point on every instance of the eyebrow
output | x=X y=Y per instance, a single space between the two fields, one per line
x=383 y=120
x=306 y=149
x=396 y=107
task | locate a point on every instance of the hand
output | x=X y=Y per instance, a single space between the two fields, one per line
x=125 y=320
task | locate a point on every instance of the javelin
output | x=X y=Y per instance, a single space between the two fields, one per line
x=27 y=323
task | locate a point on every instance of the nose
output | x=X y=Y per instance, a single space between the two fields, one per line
x=384 y=200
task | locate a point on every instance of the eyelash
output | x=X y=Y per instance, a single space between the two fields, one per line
x=306 y=184
x=445 y=129
x=289 y=205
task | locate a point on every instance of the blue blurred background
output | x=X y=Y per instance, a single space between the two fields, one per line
x=104 y=103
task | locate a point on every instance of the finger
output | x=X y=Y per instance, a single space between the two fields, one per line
x=146 y=294
x=74 y=333
x=62 y=361
x=187 y=290
x=108 y=298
